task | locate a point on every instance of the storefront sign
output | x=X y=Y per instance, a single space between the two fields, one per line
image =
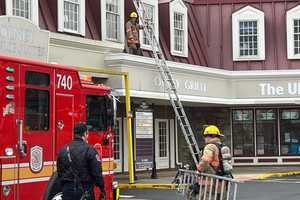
x=291 y=88
x=188 y=85
x=210 y=85
x=20 y=37
x=144 y=139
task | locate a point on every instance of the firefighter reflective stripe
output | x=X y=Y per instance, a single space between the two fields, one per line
x=9 y=172
x=132 y=33
x=21 y=181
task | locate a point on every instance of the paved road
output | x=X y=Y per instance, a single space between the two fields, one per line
x=285 y=188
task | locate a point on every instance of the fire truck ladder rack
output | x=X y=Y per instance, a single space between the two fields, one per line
x=168 y=80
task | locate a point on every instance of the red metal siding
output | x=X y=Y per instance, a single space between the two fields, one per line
x=210 y=34
x=93 y=19
x=2 y=7
x=48 y=15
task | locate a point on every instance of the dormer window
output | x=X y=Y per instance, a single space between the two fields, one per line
x=71 y=16
x=293 y=33
x=112 y=16
x=27 y=9
x=178 y=28
x=248 y=34
x=151 y=15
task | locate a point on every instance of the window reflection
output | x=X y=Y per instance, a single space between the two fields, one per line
x=242 y=133
x=290 y=132
x=96 y=116
x=266 y=132
x=36 y=110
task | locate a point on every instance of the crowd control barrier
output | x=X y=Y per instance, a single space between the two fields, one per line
x=201 y=186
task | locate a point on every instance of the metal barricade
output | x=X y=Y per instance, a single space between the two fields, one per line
x=200 y=186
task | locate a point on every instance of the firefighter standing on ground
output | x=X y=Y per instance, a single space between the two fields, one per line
x=132 y=35
x=210 y=159
x=79 y=167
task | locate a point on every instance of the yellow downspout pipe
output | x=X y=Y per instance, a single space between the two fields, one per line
x=128 y=111
x=129 y=130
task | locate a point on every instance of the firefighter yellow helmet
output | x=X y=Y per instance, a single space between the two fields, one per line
x=212 y=130
x=133 y=15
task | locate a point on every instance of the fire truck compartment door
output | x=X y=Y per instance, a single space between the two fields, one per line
x=36 y=113
x=64 y=120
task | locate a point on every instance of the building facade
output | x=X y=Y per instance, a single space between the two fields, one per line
x=236 y=65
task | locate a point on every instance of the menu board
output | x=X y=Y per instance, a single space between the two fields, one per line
x=144 y=139
x=144 y=124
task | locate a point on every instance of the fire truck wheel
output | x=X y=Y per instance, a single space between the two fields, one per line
x=53 y=190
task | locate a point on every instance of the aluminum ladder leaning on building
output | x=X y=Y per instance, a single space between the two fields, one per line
x=200 y=186
x=167 y=77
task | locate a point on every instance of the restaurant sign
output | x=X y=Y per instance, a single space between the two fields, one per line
x=20 y=37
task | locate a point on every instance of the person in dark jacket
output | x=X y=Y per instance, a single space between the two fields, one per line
x=79 y=167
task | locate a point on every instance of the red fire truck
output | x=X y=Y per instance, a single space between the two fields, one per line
x=39 y=104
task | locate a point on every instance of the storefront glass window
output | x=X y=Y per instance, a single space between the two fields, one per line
x=242 y=133
x=290 y=131
x=266 y=132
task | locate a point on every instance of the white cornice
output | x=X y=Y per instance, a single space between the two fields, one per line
x=211 y=100
x=59 y=39
x=128 y=60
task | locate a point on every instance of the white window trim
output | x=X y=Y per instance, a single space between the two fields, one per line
x=155 y=4
x=60 y=18
x=34 y=9
x=245 y=14
x=292 y=14
x=179 y=7
x=103 y=21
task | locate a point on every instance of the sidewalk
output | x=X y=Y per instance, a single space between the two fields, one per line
x=240 y=173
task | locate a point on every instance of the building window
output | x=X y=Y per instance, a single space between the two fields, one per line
x=23 y=8
x=248 y=38
x=266 y=132
x=163 y=139
x=248 y=34
x=293 y=33
x=112 y=20
x=243 y=133
x=71 y=16
x=289 y=132
x=297 y=36
x=151 y=16
x=178 y=32
x=178 y=28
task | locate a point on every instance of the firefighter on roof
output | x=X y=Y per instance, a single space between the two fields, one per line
x=132 y=45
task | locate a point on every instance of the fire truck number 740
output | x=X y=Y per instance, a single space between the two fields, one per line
x=64 y=81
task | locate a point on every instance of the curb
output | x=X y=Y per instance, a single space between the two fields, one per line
x=279 y=174
x=148 y=186
x=167 y=186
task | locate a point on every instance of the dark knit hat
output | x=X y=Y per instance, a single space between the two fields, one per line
x=80 y=129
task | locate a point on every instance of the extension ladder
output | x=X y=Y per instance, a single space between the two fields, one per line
x=168 y=80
